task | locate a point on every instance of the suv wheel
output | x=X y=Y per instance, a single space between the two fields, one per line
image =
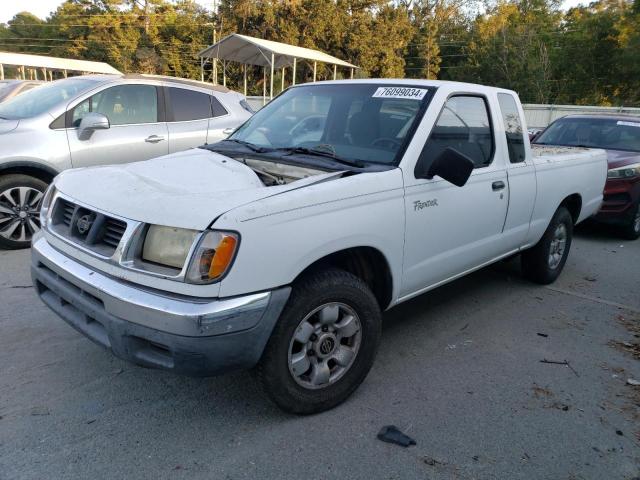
x=324 y=344
x=631 y=230
x=543 y=262
x=20 y=199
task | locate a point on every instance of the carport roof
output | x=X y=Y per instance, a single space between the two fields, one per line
x=256 y=51
x=55 y=63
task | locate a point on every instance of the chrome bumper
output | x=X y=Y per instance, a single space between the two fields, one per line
x=151 y=328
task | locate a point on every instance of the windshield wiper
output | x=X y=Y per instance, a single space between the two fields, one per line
x=249 y=145
x=323 y=153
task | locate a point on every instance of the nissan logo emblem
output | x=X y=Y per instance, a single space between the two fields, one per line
x=84 y=224
x=327 y=345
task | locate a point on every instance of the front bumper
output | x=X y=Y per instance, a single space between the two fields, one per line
x=196 y=337
x=620 y=198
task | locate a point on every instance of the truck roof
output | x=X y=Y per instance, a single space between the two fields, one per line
x=416 y=82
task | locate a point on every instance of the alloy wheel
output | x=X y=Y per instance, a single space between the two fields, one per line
x=324 y=345
x=20 y=213
x=558 y=245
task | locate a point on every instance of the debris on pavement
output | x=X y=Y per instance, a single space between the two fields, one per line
x=432 y=462
x=542 y=335
x=39 y=411
x=391 y=434
x=557 y=362
x=633 y=382
x=590 y=279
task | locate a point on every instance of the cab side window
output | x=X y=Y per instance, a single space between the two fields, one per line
x=512 y=127
x=122 y=105
x=464 y=125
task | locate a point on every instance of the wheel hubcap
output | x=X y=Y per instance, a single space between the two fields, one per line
x=19 y=213
x=325 y=345
x=558 y=245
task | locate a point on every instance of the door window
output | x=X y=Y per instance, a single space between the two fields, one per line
x=189 y=105
x=122 y=105
x=464 y=125
x=512 y=127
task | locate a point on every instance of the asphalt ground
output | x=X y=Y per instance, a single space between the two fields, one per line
x=459 y=370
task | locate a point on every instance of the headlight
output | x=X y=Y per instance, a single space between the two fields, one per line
x=168 y=246
x=628 y=171
x=212 y=257
x=46 y=204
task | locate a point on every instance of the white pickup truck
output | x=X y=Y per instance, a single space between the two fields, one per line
x=279 y=247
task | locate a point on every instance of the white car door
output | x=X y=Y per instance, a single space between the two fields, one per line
x=450 y=229
x=136 y=131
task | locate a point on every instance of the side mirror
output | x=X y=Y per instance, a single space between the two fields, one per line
x=452 y=166
x=90 y=122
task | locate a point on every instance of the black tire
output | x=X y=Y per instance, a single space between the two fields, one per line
x=631 y=229
x=536 y=261
x=7 y=183
x=311 y=292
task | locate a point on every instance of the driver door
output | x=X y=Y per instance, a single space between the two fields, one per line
x=451 y=229
x=136 y=131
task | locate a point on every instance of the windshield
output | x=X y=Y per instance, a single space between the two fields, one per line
x=39 y=100
x=607 y=133
x=356 y=122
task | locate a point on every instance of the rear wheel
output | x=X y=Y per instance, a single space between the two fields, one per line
x=324 y=343
x=631 y=230
x=543 y=262
x=20 y=199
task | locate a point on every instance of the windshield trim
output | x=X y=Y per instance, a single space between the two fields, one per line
x=424 y=104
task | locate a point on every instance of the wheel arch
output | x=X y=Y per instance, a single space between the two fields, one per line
x=26 y=167
x=573 y=203
x=367 y=263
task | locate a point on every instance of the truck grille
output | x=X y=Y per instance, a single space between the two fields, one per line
x=84 y=226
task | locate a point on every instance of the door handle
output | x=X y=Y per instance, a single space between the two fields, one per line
x=499 y=185
x=154 y=139
x=228 y=131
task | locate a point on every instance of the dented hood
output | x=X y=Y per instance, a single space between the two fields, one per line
x=188 y=189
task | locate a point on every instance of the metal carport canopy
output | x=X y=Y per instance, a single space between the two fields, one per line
x=55 y=63
x=266 y=53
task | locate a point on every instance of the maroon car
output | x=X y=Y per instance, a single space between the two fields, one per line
x=619 y=135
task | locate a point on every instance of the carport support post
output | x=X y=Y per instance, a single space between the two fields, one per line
x=335 y=72
x=264 y=85
x=315 y=69
x=271 y=80
x=64 y=72
x=1 y=72
x=295 y=61
x=245 y=79
x=224 y=73
x=202 y=69
x=352 y=74
x=282 y=83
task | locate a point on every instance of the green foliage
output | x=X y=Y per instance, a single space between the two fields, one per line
x=587 y=55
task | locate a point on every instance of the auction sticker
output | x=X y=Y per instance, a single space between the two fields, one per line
x=400 y=92
x=629 y=124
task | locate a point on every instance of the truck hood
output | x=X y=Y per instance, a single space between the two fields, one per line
x=7 y=126
x=189 y=189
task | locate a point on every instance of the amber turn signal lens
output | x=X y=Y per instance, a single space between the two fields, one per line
x=223 y=256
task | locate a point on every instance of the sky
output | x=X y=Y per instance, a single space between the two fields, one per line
x=42 y=8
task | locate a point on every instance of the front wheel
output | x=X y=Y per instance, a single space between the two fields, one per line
x=543 y=262
x=324 y=344
x=631 y=229
x=20 y=199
